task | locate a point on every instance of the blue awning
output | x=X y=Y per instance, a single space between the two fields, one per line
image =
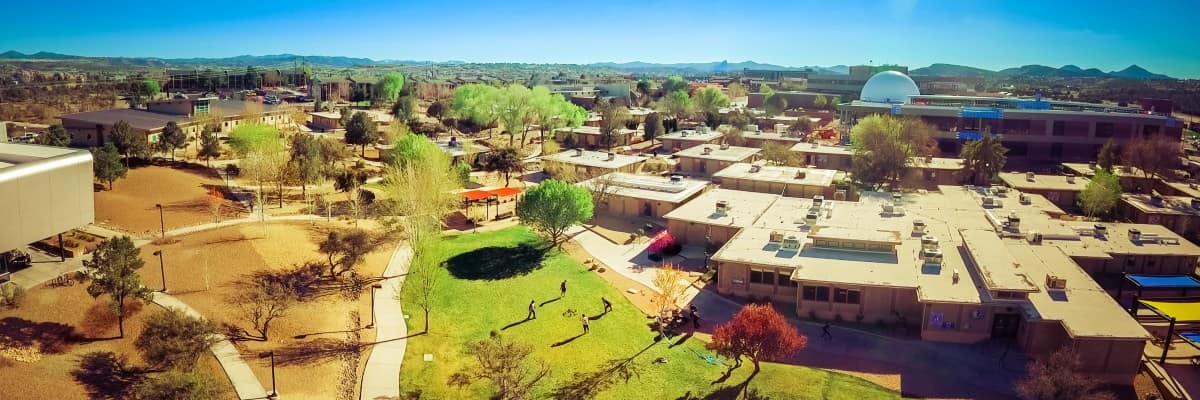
x=981 y=112
x=896 y=108
x=1165 y=281
x=970 y=135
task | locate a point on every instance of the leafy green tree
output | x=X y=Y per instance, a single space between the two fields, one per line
x=775 y=104
x=736 y=89
x=653 y=126
x=709 y=99
x=390 y=86
x=820 y=101
x=1108 y=156
x=552 y=111
x=346 y=249
x=405 y=108
x=505 y=161
x=128 y=142
x=210 y=146
x=57 y=136
x=113 y=271
x=248 y=138
x=779 y=154
x=422 y=185
x=306 y=162
x=151 y=88
x=172 y=138
x=1101 y=194
x=554 y=206
x=473 y=102
x=802 y=125
x=984 y=158
x=262 y=154
x=361 y=131
x=173 y=339
x=674 y=84
x=463 y=172
x=643 y=86
x=514 y=109
x=106 y=164
x=834 y=101
x=882 y=145
x=676 y=104
x=178 y=385
x=346 y=115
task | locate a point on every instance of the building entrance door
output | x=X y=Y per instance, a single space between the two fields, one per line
x=647 y=210
x=1005 y=326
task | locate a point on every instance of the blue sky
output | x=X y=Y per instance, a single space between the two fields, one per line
x=1104 y=34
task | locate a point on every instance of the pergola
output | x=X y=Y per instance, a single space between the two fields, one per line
x=1177 y=310
x=1181 y=282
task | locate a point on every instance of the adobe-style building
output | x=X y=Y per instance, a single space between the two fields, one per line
x=962 y=264
x=778 y=179
x=629 y=195
x=824 y=156
x=330 y=120
x=758 y=139
x=688 y=138
x=89 y=129
x=590 y=137
x=588 y=164
x=1131 y=178
x=708 y=159
x=1062 y=190
x=1036 y=131
x=1180 y=214
x=931 y=172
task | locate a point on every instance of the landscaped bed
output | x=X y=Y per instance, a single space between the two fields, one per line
x=491 y=278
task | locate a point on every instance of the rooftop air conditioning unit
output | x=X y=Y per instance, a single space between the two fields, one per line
x=1055 y=283
x=1000 y=190
x=918 y=226
x=1035 y=237
x=818 y=201
x=815 y=145
x=676 y=178
x=722 y=206
x=611 y=156
x=1092 y=165
x=896 y=197
x=1029 y=176
x=989 y=201
x=801 y=173
x=1024 y=198
x=751 y=127
x=790 y=243
x=1135 y=235
x=578 y=152
x=1196 y=204
x=932 y=256
x=1070 y=178
x=929 y=242
x=1014 y=222
x=776 y=237
x=1099 y=230
x=755 y=168
x=724 y=146
x=707 y=150
x=811 y=217
x=1192 y=186
x=1156 y=200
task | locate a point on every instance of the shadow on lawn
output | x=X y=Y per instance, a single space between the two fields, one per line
x=735 y=392
x=48 y=337
x=324 y=349
x=492 y=263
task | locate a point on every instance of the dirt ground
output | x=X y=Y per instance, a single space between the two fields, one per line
x=54 y=327
x=129 y=206
x=202 y=267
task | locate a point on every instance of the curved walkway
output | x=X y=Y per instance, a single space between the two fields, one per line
x=381 y=375
x=240 y=375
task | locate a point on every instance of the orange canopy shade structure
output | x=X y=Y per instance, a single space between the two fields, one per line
x=505 y=192
x=474 y=195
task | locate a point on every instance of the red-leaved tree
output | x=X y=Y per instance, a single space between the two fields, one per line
x=661 y=242
x=759 y=333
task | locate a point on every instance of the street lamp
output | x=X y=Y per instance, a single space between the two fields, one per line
x=373 y=287
x=161 y=225
x=274 y=394
x=707 y=241
x=161 y=272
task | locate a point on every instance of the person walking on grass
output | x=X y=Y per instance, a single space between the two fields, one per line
x=586 y=327
x=607 y=305
x=825 y=332
x=532 y=310
x=562 y=289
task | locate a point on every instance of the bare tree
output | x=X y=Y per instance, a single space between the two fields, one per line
x=1154 y=156
x=507 y=364
x=262 y=298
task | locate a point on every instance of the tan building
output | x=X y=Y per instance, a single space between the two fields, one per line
x=717 y=215
x=585 y=164
x=590 y=137
x=956 y=264
x=688 y=138
x=1062 y=190
x=777 y=179
x=1131 y=178
x=708 y=159
x=330 y=120
x=630 y=195
x=824 y=156
x=89 y=129
x=759 y=138
x=931 y=172
x=1180 y=214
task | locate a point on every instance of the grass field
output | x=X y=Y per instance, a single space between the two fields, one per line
x=490 y=279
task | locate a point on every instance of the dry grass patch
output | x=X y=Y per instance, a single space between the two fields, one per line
x=184 y=193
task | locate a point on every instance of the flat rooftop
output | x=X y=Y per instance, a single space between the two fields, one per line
x=12 y=154
x=719 y=152
x=744 y=208
x=1171 y=205
x=783 y=137
x=1021 y=181
x=138 y=119
x=1085 y=169
x=779 y=174
x=940 y=163
x=996 y=265
x=594 y=159
x=649 y=187
x=693 y=135
x=816 y=148
x=593 y=130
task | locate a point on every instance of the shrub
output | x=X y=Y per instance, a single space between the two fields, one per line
x=11 y=295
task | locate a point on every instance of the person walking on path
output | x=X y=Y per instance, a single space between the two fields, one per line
x=695 y=317
x=586 y=328
x=562 y=289
x=825 y=332
x=532 y=310
x=607 y=305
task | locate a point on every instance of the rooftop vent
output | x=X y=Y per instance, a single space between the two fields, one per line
x=1070 y=178
x=790 y=243
x=929 y=242
x=722 y=206
x=1055 y=283
x=918 y=226
x=801 y=173
x=707 y=150
x=1135 y=235
x=611 y=156
x=1034 y=237
x=578 y=152
x=755 y=168
x=676 y=178
x=1024 y=198
x=776 y=237
x=724 y=146
x=1156 y=200
x=1029 y=176
x=1099 y=230
x=931 y=256
x=1092 y=165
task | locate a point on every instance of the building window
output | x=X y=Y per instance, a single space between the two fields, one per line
x=1149 y=130
x=785 y=280
x=1009 y=295
x=846 y=296
x=815 y=293
x=762 y=277
x=1060 y=128
x=1104 y=129
x=1056 y=150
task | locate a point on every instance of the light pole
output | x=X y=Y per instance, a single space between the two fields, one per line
x=271 y=354
x=162 y=226
x=373 y=287
x=161 y=271
x=707 y=240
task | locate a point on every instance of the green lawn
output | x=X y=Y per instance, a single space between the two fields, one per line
x=478 y=295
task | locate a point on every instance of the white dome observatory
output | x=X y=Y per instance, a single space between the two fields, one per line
x=889 y=87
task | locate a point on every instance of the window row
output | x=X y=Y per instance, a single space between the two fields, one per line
x=769 y=277
x=821 y=293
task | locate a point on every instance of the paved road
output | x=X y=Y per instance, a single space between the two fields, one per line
x=381 y=375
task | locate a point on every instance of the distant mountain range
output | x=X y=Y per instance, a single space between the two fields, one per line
x=1036 y=71
x=947 y=70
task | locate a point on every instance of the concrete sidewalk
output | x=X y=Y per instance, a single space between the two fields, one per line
x=381 y=375
x=240 y=374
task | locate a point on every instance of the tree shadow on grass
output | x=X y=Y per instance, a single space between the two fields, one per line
x=735 y=392
x=48 y=337
x=315 y=351
x=493 y=263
